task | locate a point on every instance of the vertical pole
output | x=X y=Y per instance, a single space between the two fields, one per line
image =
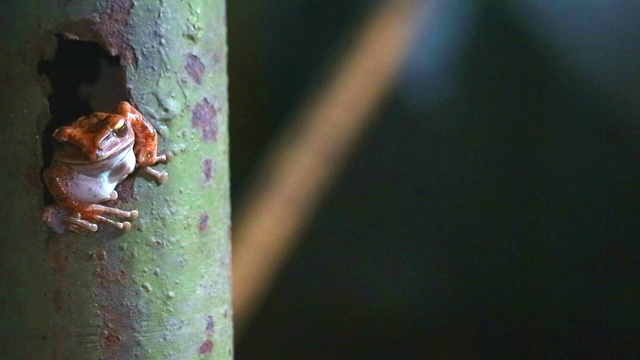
x=162 y=290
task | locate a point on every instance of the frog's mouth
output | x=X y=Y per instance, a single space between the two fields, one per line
x=72 y=154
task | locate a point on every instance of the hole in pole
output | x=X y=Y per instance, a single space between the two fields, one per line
x=84 y=79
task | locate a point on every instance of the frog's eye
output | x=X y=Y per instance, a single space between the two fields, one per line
x=120 y=128
x=119 y=125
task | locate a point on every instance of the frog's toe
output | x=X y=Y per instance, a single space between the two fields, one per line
x=161 y=176
x=124 y=226
x=77 y=229
x=80 y=223
x=133 y=214
x=164 y=158
x=113 y=195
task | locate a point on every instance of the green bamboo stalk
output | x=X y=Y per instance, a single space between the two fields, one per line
x=162 y=290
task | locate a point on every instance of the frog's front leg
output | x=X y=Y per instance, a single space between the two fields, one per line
x=146 y=143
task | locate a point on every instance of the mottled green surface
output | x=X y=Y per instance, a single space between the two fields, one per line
x=149 y=293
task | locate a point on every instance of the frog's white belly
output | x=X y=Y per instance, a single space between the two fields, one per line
x=94 y=183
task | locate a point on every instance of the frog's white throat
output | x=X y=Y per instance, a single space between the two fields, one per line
x=105 y=166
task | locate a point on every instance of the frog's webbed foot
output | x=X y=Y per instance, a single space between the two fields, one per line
x=85 y=218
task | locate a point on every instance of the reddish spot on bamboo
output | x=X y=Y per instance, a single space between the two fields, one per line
x=210 y=326
x=206 y=347
x=204 y=222
x=195 y=68
x=157 y=243
x=208 y=170
x=205 y=118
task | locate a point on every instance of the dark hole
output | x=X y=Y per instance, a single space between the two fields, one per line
x=84 y=79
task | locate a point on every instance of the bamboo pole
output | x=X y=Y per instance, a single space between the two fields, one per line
x=162 y=290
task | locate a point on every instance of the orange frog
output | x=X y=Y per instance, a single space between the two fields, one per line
x=92 y=156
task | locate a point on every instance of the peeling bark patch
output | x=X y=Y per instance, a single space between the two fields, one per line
x=117 y=332
x=204 y=117
x=112 y=339
x=111 y=25
x=105 y=275
x=106 y=28
x=195 y=68
x=208 y=170
x=204 y=222
x=59 y=258
x=115 y=308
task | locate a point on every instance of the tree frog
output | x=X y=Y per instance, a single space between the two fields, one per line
x=92 y=156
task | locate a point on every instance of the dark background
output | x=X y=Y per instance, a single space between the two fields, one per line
x=492 y=211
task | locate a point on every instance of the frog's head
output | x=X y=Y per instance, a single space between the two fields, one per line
x=93 y=138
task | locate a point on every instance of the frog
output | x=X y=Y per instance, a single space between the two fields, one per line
x=92 y=156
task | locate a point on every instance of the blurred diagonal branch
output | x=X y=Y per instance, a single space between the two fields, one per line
x=307 y=158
